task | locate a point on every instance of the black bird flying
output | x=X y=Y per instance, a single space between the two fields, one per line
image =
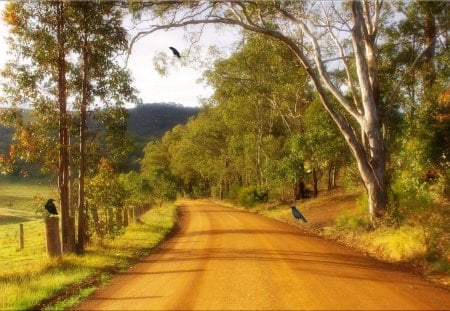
x=297 y=214
x=50 y=207
x=175 y=52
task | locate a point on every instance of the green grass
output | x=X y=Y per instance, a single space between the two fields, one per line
x=404 y=243
x=21 y=196
x=18 y=197
x=33 y=252
x=41 y=279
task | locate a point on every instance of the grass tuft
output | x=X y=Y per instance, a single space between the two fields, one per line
x=404 y=243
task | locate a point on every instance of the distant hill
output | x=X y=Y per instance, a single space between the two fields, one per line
x=151 y=121
x=146 y=122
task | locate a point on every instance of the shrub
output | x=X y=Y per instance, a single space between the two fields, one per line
x=357 y=219
x=403 y=243
x=233 y=192
x=249 y=196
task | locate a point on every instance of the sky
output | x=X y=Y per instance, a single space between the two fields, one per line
x=180 y=85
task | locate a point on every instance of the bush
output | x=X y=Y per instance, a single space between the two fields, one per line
x=351 y=177
x=233 y=192
x=357 y=219
x=249 y=196
x=397 y=244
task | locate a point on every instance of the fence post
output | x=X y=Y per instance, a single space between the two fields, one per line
x=52 y=234
x=21 y=239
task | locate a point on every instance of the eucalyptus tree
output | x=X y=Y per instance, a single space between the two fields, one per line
x=261 y=92
x=324 y=36
x=36 y=77
x=423 y=30
x=98 y=37
x=63 y=60
x=156 y=166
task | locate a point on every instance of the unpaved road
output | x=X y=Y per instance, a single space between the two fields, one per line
x=228 y=259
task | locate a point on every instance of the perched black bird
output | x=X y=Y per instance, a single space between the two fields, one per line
x=175 y=52
x=297 y=214
x=50 y=207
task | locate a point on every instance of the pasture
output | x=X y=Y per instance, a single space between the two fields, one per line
x=21 y=200
x=28 y=277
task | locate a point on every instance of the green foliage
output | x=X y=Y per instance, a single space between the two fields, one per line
x=403 y=243
x=350 y=177
x=105 y=198
x=233 y=191
x=357 y=219
x=249 y=196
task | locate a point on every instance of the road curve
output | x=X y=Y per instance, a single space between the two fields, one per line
x=226 y=259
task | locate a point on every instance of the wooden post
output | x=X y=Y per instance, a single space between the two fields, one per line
x=53 y=238
x=21 y=239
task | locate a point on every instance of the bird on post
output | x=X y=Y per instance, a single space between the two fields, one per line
x=297 y=214
x=175 y=52
x=50 y=207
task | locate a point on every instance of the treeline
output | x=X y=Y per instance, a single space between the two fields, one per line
x=268 y=130
x=145 y=122
x=264 y=134
x=148 y=121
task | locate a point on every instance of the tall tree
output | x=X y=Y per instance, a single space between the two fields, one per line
x=323 y=36
x=98 y=37
x=46 y=38
x=37 y=79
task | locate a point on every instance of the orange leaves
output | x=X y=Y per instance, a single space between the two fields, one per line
x=10 y=15
x=444 y=98
x=11 y=150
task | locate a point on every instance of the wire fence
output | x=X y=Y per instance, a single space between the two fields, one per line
x=34 y=245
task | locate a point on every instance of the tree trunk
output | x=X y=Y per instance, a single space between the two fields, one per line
x=330 y=177
x=119 y=219
x=372 y=160
x=335 y=172
x=429 y=32
x=95 y=220
x=125 y=216
x=63 y=174
x=315 y=183
x=82 y=223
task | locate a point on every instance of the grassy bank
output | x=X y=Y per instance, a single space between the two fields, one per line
x=73 y=277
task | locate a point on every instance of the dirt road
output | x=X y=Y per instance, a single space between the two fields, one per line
x=223 y=259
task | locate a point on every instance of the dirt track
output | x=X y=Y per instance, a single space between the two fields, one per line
x=228 y=259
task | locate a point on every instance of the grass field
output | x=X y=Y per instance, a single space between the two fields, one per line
x=38 y=280
x=19 y=197
x=24 y=194
x=28 y=276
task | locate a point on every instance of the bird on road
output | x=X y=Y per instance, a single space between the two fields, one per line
x=297 y=214
x=175 y=52
x=50 y=207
